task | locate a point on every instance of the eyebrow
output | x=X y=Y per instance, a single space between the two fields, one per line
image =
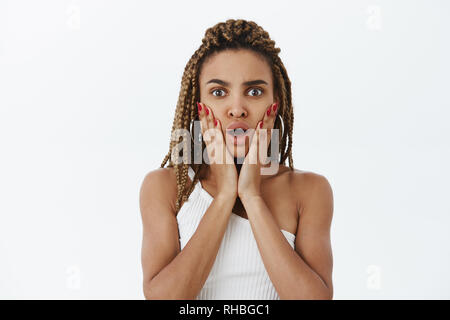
x=247 y=83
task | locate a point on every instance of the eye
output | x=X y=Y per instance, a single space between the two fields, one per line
x=218 y=90
x=256 y=90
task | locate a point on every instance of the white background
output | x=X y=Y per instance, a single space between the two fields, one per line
x=88 y=91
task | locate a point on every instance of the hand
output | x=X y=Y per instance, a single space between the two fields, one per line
x=221 y=161
x=249 y=183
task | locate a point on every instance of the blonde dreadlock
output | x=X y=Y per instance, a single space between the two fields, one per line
x=232 y=34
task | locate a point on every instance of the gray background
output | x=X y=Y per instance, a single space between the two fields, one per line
x=88 y=91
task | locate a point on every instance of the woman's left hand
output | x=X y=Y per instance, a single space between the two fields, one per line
x=249 y=182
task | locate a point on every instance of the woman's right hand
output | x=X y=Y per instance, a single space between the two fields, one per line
x=221 y=162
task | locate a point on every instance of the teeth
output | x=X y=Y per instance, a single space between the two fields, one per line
x=237 y=131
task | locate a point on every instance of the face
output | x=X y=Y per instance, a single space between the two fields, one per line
x=237 y=86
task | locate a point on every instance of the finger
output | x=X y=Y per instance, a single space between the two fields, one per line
x=226 y=155
x=211 y=134
x=270 y=115
x=215 y=124
x=266 y=127
x=263 y=144
x=203 y=122
x=211 y=122
x=252 y=155
x=269 y=120
x=205 y=114
x=209 y=116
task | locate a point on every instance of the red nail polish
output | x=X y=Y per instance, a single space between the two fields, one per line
x=268 y=111
x=199 y=107
x=260 y=125
x=275 y=106
x=215 y=122
x=207 y=111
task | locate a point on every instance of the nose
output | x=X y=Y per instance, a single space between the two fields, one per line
x=237 y=112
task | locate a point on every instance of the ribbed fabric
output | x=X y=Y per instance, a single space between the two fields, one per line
x=238 y=272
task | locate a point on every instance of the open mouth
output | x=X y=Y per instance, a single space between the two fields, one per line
x=238 y=135
x=236 y=132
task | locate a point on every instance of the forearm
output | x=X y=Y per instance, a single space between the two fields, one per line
x=289 y=273
x=185 y=275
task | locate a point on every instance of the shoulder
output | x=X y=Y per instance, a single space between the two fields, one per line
x=311 y=190
x=159 y=185
x=313 y=239
x=163 y=177
x=301 y=179
x=308 y=179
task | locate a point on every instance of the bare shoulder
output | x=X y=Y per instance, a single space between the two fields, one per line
x=311 y=189
x=315 y=208
x=303 y=178
x=160 y=237
x=158 y=185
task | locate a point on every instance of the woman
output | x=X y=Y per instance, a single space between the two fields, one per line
x=222 y=229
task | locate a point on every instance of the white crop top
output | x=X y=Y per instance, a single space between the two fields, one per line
x=238 y=272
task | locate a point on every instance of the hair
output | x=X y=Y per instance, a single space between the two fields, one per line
x=232 y=34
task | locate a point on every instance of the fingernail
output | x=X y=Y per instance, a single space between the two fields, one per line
x=215 y=122
x=275 y=106
x=268 y=111
x=260 y=125
x=206 y=109
x=199 y=107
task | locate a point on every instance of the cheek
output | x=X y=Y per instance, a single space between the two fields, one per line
x=218 y=111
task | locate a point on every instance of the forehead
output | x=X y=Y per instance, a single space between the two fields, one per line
x=235 y=65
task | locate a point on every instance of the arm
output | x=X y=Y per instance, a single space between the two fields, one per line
x=307 y=272
x=168 y=272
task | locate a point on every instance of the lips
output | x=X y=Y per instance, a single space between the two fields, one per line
x=238 y=124
x=237 y=128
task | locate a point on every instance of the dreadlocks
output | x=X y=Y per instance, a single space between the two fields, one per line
x=232 y=34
